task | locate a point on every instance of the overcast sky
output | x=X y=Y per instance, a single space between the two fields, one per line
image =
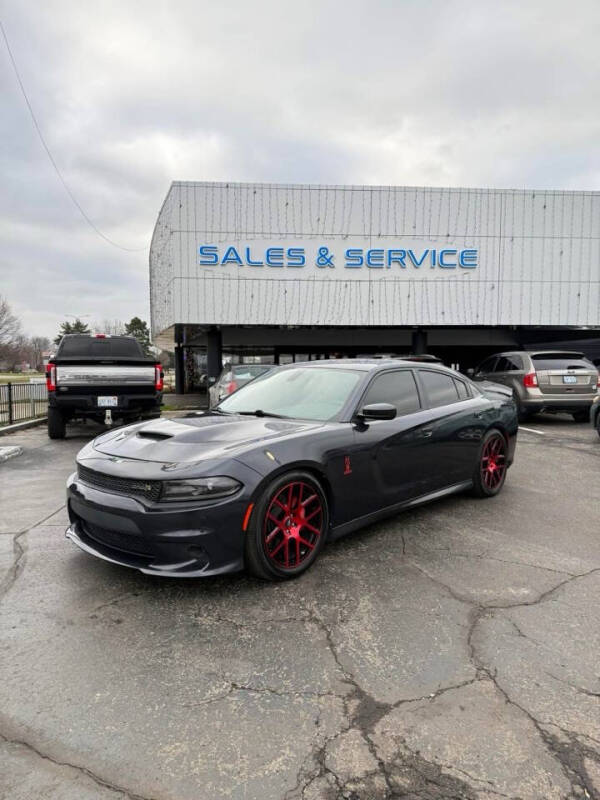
x=132 y=95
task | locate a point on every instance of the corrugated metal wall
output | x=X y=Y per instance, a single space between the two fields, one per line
x=538 y=256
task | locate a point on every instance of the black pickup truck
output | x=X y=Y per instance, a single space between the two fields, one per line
x=101 y=377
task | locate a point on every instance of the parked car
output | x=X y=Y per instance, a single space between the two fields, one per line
x=101 y=377
x=302 y=454
x=544 y=380
x=232 y=378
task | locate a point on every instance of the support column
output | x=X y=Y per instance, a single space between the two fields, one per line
x=419 y=342
x=179 y=364
x=214 y=353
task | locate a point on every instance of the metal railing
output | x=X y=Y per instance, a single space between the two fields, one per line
x=22 y=401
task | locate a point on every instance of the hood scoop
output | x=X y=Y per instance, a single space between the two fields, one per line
x=156 y=436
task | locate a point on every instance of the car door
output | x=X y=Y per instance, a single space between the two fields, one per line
x=457 y=420
x=387 y=464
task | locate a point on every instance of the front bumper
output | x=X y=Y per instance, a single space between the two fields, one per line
x=172 y=542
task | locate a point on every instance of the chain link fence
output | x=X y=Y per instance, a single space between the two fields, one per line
x=22 y=401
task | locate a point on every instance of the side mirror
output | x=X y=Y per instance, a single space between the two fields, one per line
x=470 y=372
x=212 y=381
x=377 y=411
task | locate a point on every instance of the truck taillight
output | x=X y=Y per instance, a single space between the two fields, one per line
x=51 y=378
x=231 y=387
x=158 y=377
x=530 y=380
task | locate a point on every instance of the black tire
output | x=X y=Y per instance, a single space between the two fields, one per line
x=598 y=424
x=487 y=482
x=267 y=551
x=581 y=416
x=57 y=424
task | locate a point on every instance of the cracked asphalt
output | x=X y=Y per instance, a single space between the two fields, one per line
x=450 y=652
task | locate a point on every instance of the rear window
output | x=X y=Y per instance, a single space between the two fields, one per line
x=561 y=361
x=90 y=347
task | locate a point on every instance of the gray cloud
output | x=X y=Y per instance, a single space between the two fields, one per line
x=133 y=95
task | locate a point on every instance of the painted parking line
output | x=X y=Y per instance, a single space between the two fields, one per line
x=531 y=430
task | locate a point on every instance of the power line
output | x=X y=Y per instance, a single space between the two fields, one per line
x=53 y=162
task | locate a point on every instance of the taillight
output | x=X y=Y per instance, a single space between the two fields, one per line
x=51 y=378
x=231 y=387
x=530 y=380
x=159 y=376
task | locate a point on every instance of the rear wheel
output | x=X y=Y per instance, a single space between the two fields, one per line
x=490 y=471
x=581 y=416
x=57 y=424
x=288 y=527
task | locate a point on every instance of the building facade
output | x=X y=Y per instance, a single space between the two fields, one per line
x=307 y=268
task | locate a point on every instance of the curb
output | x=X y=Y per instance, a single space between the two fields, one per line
x=21 y=426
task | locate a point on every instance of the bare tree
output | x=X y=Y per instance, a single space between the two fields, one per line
x=112 y=326
x=10 y=326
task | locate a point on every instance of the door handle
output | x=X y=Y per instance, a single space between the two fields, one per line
x=427 y=432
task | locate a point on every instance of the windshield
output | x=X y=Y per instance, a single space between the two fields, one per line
x=303 y=393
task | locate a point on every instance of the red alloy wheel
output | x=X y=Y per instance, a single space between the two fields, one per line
x=493 y=462
x=293 y=525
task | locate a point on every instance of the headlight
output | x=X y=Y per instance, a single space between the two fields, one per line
x=199 y=489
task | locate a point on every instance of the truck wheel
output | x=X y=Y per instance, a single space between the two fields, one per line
x=57 y=425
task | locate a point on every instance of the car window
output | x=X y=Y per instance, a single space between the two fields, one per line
x=298 y=392
x=515 y=363
x=100 y=347
x=246 y=372
x=462 y=389
x=487 y=365
x=398 y=388
x=441 y=389
x=561 y=361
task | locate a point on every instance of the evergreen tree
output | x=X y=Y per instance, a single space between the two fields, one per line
x=138 y=328
x=71 y=327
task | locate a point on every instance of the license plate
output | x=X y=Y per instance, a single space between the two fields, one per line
x=569 y=379
x=106 y=401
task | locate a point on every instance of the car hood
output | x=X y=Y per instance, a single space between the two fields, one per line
x=197 y=437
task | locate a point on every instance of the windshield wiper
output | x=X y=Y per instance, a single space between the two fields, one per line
x=260 y=413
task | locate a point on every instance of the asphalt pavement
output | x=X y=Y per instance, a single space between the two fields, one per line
x=450 y=652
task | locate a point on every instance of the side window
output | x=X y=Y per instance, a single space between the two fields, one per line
x=463 y=389
x=502 y=365
x=398 y=388
x=487 y=365
x=514 y=363
x=441 y=389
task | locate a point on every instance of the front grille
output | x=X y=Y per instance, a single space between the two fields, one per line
x=132 y=487
x=126 y=542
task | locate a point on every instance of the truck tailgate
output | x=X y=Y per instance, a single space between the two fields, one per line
x=104 y=375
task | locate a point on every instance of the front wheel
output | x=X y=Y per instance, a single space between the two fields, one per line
x=490 y=471
x=288 y=527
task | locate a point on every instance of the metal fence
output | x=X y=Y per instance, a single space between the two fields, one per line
x=21 y=401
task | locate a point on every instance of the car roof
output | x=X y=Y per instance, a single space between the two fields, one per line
x=367 y=364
